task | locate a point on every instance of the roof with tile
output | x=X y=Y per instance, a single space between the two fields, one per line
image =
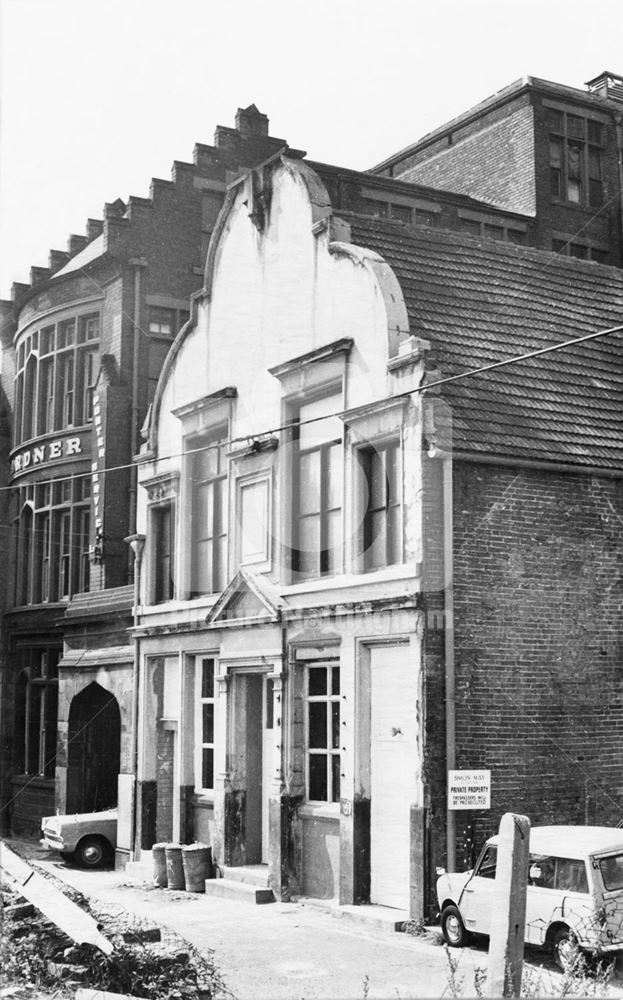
x=481 y=301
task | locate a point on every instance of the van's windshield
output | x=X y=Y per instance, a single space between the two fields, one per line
x=611 y=869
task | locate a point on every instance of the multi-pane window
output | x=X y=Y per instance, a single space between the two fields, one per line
x=504 y=230
x=575 y=157
x=412 y=214
x=56 y=372
x=584 y=251
x=382 y=520
x=166 y=322
x=53 y=540
x=36 y=707
x=208 y=466
x=206 y=724
x=317 y=548
x=323 y=733
x=164 y=552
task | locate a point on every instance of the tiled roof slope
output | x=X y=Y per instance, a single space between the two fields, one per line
x=480 y=301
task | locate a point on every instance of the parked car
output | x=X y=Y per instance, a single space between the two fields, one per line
x=574 y=897
x=88 y=839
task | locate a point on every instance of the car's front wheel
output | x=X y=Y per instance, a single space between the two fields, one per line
x=453 y=927
x=92 y=852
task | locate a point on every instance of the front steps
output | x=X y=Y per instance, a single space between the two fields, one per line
x=247 y=883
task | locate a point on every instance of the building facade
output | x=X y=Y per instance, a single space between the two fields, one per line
x=349 y=584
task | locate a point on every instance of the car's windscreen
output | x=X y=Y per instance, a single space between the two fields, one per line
x=487 y=864
x=611 y=869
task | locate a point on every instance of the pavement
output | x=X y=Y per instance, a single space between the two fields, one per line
x=300 y=950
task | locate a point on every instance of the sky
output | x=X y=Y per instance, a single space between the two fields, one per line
x=99 y=96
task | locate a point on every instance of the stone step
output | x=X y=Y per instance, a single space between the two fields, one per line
x=250 y=874
x=226 y=888
x=383 y=918
x=142 y=870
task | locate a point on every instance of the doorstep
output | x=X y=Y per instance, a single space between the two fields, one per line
x=381 y=918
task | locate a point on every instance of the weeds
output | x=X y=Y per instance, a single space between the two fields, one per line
x=580 y=980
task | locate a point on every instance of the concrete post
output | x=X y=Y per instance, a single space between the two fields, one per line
x=509 y=908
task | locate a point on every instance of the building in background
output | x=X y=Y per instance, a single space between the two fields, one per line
x=549 y=152
x=83 y=346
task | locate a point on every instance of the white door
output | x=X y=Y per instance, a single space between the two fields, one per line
x=394 y=765
x=268 y=760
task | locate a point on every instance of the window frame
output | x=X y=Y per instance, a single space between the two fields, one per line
x=215 y=489
x=566 y=141
x=36 y=710
x=331 y=753
x=201 y=744
x=51 y=394
x=323 y=449
x=366 y=455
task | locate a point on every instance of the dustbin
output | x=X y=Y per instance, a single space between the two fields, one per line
x=197 y=862
x=175 y=868
x=160 y=865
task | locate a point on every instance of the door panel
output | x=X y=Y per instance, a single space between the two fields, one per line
x=395 y=765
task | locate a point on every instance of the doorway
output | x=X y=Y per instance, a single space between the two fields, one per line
x=254 y=762
x=394 y=767
x=93 y=758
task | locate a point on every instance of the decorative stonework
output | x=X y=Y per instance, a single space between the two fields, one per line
x=163 y=487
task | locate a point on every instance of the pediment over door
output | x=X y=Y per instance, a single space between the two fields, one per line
x=247 y=598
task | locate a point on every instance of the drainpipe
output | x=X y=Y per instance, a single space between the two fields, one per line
x=618 y=119
x=138 y=263
x=137 y=545
x=448 y=586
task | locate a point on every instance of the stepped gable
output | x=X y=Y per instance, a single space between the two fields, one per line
x=482 y=301
x=212 y=168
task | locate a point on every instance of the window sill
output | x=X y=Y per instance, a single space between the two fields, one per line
x=320 y=810
x=203 y=800
x=399 y=571
x=33 y=780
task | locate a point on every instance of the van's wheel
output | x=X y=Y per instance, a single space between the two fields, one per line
x=565 y=949
x=453 y=927
x=92 y=852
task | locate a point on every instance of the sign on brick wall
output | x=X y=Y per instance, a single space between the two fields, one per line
x=469 y=789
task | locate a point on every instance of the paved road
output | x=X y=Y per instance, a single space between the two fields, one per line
x=295 y=951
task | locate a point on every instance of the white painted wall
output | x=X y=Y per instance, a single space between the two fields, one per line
x=275 y=294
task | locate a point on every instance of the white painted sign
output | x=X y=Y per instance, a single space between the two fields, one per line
x=469 y=789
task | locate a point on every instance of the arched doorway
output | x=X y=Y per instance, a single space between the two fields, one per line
x=94 y=750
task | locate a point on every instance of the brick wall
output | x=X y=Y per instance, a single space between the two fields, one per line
x=495 y=163
x=538 y=588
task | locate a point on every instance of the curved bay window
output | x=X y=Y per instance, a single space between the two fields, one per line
x=57 y=366
x=36 y=706
x=53 y=540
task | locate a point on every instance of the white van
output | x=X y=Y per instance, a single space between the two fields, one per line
x=574 y=897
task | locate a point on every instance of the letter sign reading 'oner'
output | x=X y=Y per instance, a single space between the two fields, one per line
x=51 y=451
x=469 y=789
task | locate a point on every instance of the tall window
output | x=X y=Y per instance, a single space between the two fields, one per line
x=56 y=371
x=382 y=521
x=36 y=711
x=575 y=156
x=206 y=724
x=323 y=733
x=209 y=517
x=53 y=540
x=162 y=521
x=317 y=502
